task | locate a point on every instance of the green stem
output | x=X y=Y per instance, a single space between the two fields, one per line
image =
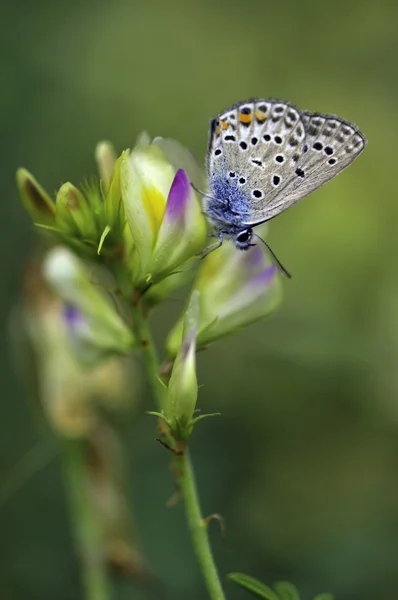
x=149 y=355
x=87 y=528
x=196 y=523
x=198 y=527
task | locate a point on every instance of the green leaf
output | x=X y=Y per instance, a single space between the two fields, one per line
x=253 y=586
x=286 y=590
x=324 y=597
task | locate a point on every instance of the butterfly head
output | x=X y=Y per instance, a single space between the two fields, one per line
x=228 y=225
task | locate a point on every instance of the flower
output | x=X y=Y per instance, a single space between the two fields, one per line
x=236 y=288
x=162 y=211
x=92 y=320
x=71 y=383
x=143 y=214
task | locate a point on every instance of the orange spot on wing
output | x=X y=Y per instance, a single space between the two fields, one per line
x=245 y=118
x=218 y=130
x=260 y=116
x=224 y=125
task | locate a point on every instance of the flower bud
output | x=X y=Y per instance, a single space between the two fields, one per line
x=91 y=313
x=105 y=156
x=73 y=215
x=236 y=288
x=90 y=221
x=35 y=200
x=183 y=386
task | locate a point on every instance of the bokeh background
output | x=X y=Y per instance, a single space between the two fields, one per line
x=303 y=463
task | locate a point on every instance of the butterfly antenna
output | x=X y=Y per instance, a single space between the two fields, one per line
x=278 y=262
x=193 y=186
x=197 y=190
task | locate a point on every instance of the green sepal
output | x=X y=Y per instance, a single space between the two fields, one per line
x=197 y=419
x=159 y=415
x=102 y=239
x=113 y=203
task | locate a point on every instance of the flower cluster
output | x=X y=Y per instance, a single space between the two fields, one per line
x=142 y=225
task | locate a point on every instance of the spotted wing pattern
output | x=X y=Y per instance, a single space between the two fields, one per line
x=276 y=155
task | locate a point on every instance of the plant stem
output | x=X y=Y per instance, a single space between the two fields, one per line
x=149 y=355
x=87 y=528
x=198 y=527
x=196 y=524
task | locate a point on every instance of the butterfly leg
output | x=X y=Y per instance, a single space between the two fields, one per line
x=213 y=247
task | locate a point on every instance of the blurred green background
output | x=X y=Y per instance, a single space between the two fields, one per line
x=303 y=463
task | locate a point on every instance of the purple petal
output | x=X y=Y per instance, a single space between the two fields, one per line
x=179 y=195
x=72 y=316
x=255 y=257
x=265 y=277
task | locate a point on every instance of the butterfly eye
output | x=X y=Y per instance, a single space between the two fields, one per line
x=244 y=236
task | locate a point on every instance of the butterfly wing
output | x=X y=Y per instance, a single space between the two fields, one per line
x=246 y=143
x=269 y=155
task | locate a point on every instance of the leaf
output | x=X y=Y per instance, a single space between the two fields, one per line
x=324 y=597
x=253 y=586
x=286 y=590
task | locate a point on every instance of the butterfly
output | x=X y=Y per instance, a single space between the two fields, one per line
x=266 y=155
